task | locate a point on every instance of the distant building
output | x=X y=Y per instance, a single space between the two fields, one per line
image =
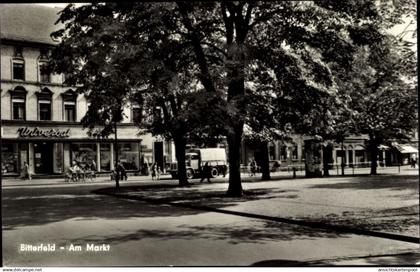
x=41 y=116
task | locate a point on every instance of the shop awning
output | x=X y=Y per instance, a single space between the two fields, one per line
x=406 y=148
x=383 y=147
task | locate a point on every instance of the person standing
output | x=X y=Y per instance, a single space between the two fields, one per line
x=26 y=173
x=158 y=171
x=413 y=161
x=205 y=172
x=154 y=171
x=253 y=166
x=121 y=172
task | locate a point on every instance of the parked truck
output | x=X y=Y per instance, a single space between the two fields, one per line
x=195 y=160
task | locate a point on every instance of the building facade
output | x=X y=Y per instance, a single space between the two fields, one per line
x=41 y=115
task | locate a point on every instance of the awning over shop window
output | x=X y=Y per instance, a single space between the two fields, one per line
x=383 y=147
x=406 y=148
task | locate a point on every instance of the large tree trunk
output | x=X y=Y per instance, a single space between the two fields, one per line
x=236 y=93
x=265 y=161
x=234 y=144
x=373 y=148
x=326 y=157
x=180 y=157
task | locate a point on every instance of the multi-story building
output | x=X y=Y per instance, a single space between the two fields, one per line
x=41 y=115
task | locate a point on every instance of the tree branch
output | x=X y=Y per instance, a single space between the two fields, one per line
x=201 y=59
x=214 y=47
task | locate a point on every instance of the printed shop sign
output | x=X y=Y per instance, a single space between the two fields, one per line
x=49 y=133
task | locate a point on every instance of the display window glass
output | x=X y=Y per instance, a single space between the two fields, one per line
x=83 y=153
x=105 y=157
x=9 y=158
x=128 y=154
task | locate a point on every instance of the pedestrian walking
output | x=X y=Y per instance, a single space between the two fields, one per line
x=154 y=171
x=205 y=173
x=253 y=166
x=413 y=161
x=158 y=172
x=26 y=173
x=121 y=172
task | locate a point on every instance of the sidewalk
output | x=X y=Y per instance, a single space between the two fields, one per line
x=404 y=170
x=10 y=182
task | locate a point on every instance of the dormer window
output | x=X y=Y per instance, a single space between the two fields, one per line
x=43 y=55
x=18 y=52
x=44 y=104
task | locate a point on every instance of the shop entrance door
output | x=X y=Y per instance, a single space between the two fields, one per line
x=43 y=157
x=158 y=150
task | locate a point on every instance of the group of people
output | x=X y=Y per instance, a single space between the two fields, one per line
x=76 y=172
x=155 y=169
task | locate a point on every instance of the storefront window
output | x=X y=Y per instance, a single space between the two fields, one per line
x=83 y=153
x=105 y=157
x=9 y=158
x=128 y=154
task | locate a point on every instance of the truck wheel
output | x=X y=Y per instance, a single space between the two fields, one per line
x=190 y=173
x=214 y=172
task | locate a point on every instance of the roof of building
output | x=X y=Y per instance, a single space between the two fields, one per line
x=28 y=23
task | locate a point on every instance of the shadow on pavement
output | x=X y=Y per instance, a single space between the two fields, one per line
x=27 y=207
x=216 y=201
x=400 y=182
x=255 y=232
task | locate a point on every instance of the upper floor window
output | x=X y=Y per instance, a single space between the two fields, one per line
x=44 y=104
x=18 y=97
x=136 y=113
x=69 y=105
x=44 y=74
x=18 y=65
x=18 y=109
x=44 y=110
x=18 y=72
